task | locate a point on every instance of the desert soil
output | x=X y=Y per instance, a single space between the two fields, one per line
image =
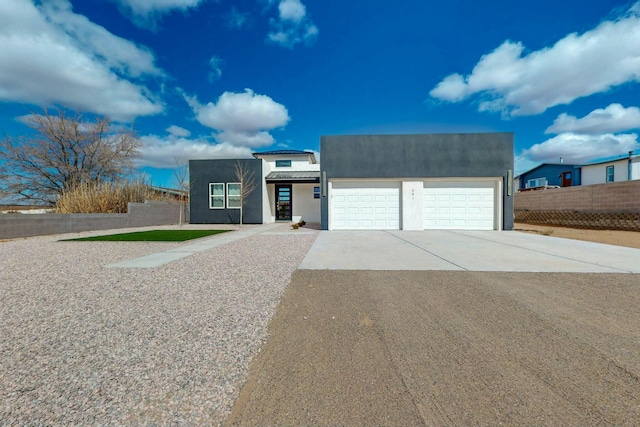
x=611 y=237
x=364 y=348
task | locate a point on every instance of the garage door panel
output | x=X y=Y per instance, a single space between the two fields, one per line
x=459 y=205
x=475 y=210
x=365 y=205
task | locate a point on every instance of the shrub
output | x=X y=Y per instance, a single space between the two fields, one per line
x=105 y=197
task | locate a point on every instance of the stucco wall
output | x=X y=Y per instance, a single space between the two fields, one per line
x=418 y=156
x=298 y=163
x=204 y=172
x=304 y=205
x=139 y=215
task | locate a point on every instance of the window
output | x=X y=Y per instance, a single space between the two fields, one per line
x=234 y=195
x=216 y=196
x=316 y=192
x=610 y=173
x=538 y=182
x=283 y=163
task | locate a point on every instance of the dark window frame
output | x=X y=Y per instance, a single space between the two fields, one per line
x=283 y=163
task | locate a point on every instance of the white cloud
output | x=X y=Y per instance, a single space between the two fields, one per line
x=50 y=55
x=241 y=119
x=523 y=164
x=249 y=139
x=215 y=63
x=237 y=20
x=145 y=12
x=579 y=65
x=614 y=118
x=293 y=26
x=178 y=131
x=581 y=148
x=292 y=10
x=170 y=152
x=117 y=53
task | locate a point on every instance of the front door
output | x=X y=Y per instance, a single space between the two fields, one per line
x=283 y=202
x=566 y=179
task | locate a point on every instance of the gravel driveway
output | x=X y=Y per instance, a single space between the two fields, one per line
x=413 y=348
x=83 y=344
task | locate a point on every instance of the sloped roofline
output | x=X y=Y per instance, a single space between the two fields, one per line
x=570 y=165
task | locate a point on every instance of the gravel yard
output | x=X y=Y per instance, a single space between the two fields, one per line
x=83 y=344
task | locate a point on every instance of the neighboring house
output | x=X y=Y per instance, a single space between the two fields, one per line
x=366 y=182
x=624 y=169
x=176 y=194
x=417 y=182
x=549 y=175
x=287 y=189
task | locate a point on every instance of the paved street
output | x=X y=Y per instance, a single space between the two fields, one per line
x=362 y=348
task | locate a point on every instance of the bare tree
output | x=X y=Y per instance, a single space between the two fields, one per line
x=65 y=152
x=247 y=184
x=181 y=180
x=3 y=178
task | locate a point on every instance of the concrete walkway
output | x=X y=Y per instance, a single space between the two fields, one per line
x=161 y=258
x=465 y=251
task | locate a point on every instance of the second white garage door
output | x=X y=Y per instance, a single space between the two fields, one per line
x=365 y=205
x=459 y=205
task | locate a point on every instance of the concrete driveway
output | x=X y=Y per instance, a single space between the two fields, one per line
x=466 y=251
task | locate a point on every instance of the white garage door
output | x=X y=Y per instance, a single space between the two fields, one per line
x=459 y=206
x=365 y=205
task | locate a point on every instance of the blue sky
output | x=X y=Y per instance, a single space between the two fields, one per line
x=223 y=78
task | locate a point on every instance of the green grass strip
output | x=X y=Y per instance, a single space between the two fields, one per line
x=151 y=236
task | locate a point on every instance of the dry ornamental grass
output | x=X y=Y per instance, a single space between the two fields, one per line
x=105 y=197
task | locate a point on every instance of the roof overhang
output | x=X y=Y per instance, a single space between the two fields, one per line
x=286 y=154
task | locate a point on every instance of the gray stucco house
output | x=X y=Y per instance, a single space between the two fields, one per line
x=287 y=189
x=398 y=182
x=417 y=182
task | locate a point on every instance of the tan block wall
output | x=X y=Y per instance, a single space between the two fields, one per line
x=614 y=206
x=613 y=197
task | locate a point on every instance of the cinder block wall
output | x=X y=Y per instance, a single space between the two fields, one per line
x=572 y=219
x=613 y=206
x=139 y=215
